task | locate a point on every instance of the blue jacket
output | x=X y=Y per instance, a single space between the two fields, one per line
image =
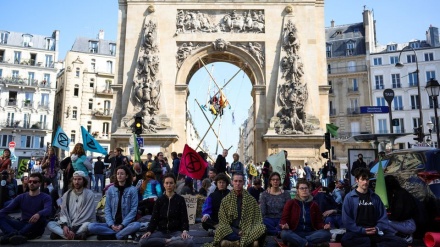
x=129 y=205
x=349 y=212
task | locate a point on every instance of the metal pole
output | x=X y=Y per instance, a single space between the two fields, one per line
x=436 y=119
x=391 y=118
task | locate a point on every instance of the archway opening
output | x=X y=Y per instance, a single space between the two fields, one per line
x=205 y=86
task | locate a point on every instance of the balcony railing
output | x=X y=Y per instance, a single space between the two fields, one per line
x=102 y=113
x=414 y=84
x=398 y=85
x=379 y=87
x=332 y=112
x=104 y=91
x=11 y=102
x=27 y=104
x=351 y=69
x=24 y=82
x=346 y=135
x=353 y=111
x=353 y=90
x=19 y=124
x=44 y=105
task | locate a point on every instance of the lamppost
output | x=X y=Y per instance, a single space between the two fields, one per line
x=433 y=89
x=419 y=101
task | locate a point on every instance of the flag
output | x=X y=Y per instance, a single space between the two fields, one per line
x=252 y=170
x=381 y=189
x=278 y=163
x=90 y=143
x=61 y=140
x=332 y=129
x=137 y=155
x=192 y=164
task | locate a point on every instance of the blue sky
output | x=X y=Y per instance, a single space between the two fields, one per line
x=396 y=20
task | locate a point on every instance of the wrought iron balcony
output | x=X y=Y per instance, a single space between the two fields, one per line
x=11 y=102
x=44 y=105
x=332 y=112
x=344 y=70
x=353 y=111
x=106 y=113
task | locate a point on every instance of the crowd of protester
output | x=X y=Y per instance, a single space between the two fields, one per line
x=240 y=205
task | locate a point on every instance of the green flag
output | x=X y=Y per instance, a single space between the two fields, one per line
x=137 y=155
x=332 y=129
x=381 y=189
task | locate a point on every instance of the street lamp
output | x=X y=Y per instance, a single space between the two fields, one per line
x=419 y=101
x=433 y=89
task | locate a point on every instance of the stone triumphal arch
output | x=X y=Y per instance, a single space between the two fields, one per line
x=279 y=45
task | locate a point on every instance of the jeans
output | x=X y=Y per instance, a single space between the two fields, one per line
x=104 y=229
x=406 y=227
x=12 y=227
x=158 y=239
x=99 y=177
x=300 y=239
x=362 y=240
x=54 y=227
x=272 y=225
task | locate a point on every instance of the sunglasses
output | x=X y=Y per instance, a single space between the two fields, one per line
x=34 y=181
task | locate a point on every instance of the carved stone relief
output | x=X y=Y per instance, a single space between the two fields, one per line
x=255 y=49
x=218 y=21
x=292 y=92
x=146 y=85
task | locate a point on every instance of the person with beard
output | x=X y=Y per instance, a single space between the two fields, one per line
x=301 y=221
x=33 y=219
x=120 y=209
x=212 y=203
x=357 y=164
x=77 y=211
x=138 y=172
x=365 y=217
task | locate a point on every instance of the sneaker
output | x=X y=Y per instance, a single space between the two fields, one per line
x=130 y=238
x=55 y=236
x=18 y=239
x=409 y=239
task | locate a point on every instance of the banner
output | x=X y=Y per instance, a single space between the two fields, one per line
x=278 y=163
x=332 y=129
x=191 y=207
x=22 y=166
x=191 y=164
x=90 y=143
x=252 y=170
x=137 y=155
x=61 y=140
x=381 y=188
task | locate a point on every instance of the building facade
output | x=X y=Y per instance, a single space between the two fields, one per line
x=245 y=146
x=27 y=92
x=85 y=94
x=420 y=56
x=347 y=49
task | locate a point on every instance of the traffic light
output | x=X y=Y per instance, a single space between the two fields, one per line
x=324 y=155
x=138 y=125
x=328 y=144
x=419 y=134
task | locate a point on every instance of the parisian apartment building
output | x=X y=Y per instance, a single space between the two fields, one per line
x=421 y=63
x=27 y=92
x=85 y=94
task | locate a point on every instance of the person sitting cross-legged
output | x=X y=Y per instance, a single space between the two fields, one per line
x=120 y=209
x=240 y=220
x=301 y=222
x=77 y=211
x=35 y=207
x=365 y=217
x=169 y=223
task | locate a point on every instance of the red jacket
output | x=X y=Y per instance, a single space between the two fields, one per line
x=291 y=214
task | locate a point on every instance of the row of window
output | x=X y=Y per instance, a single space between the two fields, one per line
x=105 y=130
x=25 y=141
x=27 y=40
x=109 y=68
x=94 y=47
x=107 y=87
x=410 y=58
x=396 y=79
x=30 y=80
x=383 y=125
x=349 y=51
x=32 y=61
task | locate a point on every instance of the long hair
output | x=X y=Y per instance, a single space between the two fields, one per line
x=78 y=150
x=85 y=182
x=127 y=171
x=6 y=149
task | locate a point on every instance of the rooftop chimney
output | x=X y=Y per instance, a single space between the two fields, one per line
x=101 y=34
x=332 y=23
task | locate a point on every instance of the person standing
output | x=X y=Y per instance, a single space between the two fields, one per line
x=149 y=190
x=308 y=172
x=50 y=166
x=220 y=162
x=301 y=221
x=358 y=164
x=286 y=183
x=77 y=211
x=5 y=160
x=176 y=163
x=169 y=223
x=99 y=170
x=240 y=221
x=115 y=158
x=120 y=209
x=365 y=218
x=236 y=165
x=33 y=219
x=160 y=167
x=80 y=162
